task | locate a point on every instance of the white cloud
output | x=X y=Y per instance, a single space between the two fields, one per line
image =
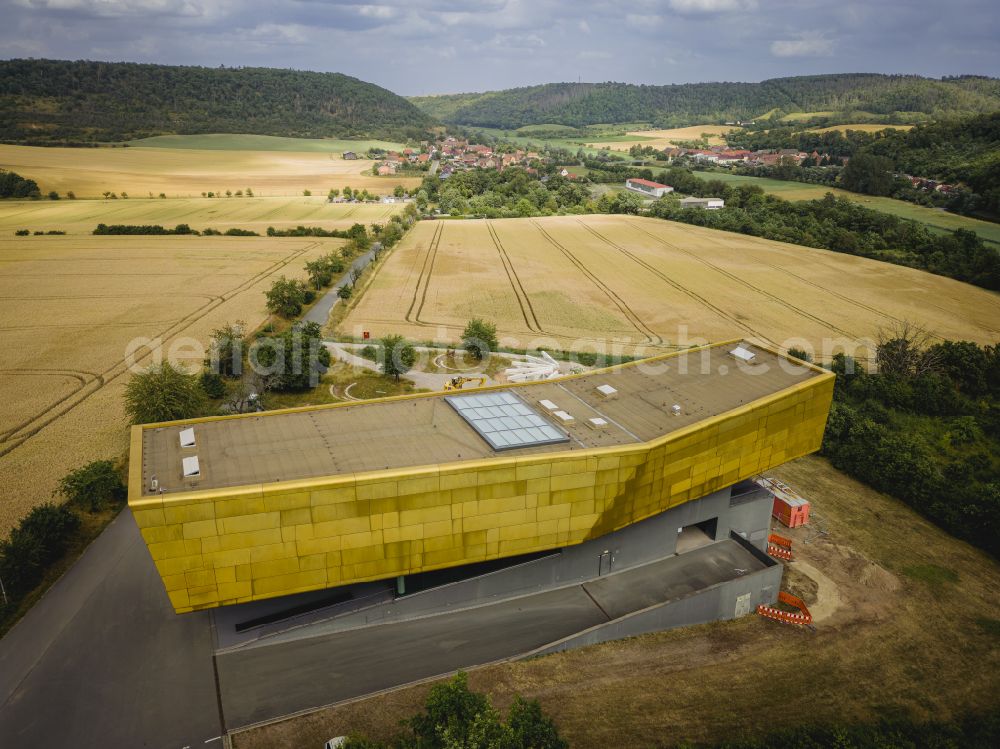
x=712 y=6
x=516 y=41
x=278 y=33
x=643 y=22
x=584 y=27
x=381 y=12
x=117 y=8
x=807 y=45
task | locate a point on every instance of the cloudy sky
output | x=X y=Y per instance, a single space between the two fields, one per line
x=442 y=46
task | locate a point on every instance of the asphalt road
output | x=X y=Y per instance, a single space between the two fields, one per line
x=102 y=660
x=319 y=313
x=269 y=681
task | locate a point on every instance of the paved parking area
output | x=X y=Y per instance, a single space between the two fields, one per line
x=102 y=660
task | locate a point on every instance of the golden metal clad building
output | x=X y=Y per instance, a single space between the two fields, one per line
x=241 y=508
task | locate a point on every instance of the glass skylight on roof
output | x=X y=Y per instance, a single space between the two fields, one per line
x=505 y=421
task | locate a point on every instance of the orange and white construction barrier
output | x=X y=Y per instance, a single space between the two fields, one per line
x=804 y=617
x=779 y=546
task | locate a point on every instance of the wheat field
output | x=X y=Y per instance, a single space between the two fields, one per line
x=81 y=216
x=69 y=306
x=667 y=138
x=605 y=283
x=187 y=173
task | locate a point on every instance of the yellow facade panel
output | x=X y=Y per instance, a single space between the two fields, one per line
x=254 y=543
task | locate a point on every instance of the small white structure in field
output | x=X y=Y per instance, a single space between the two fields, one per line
x=533 y=368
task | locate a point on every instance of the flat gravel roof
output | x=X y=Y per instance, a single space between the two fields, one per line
x=423 y=429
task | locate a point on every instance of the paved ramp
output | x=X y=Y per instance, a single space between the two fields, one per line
x=265 y=682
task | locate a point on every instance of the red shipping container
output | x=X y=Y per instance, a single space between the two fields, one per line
x=790 y=508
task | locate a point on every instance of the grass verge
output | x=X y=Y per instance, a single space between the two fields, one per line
x=892 y=647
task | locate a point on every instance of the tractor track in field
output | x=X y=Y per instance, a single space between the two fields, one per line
x=842 y=297
x=94 y=296
x=747 y=284
x=674 y=284
x=81 y=376
x=523 y=300
x=652 y=338
x=11 y=440
x=423 y=280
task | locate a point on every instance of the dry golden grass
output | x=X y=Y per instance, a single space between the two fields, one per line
x=864 y=128
x=81 y=216
x=69 y=306
x=648 y=285
x=90 y=172
x=893 y=645
x=667 y=138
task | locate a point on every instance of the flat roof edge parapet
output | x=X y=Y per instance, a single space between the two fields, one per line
x=302 y=447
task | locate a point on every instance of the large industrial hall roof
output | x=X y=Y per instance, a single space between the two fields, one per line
x=627 y=404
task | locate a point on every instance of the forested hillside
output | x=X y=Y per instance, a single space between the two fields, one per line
x=965 y=151
x=579 y=104
x=51 y=101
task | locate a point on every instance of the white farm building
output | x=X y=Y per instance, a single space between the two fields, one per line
x=709 y=204
x=652 y=189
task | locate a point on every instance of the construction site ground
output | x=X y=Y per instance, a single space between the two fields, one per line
x=906 y=624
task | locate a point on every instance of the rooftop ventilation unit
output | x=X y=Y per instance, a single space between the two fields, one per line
x=187 y=437
x=597 y=423
x=548 y=405
x=743 y=354
x=192 y=469
x=676 y=409
x=563 y=416
x=606 y=390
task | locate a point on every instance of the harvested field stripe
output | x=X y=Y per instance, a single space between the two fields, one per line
x=651 y=337
x=737 y=279
x=12 y=440
x=423 y=279
x=671 y=282
x=523 y=300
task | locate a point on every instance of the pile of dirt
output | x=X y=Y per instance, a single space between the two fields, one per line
x=873 y=576
x=801 y=585
x=869 y=574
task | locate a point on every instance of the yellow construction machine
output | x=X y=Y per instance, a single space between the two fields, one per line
x=457 y=383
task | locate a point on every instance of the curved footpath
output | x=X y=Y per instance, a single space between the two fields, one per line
x=426 y=380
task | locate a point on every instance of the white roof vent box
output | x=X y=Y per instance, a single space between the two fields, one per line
x=187 y=437
x=744 y=354
x=607 y=391
x=191 y=467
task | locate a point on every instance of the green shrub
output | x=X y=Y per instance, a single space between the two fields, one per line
x=22 y=233
x=38 y=540
x=213 y=384
x=94 y=486
x=479 y=338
